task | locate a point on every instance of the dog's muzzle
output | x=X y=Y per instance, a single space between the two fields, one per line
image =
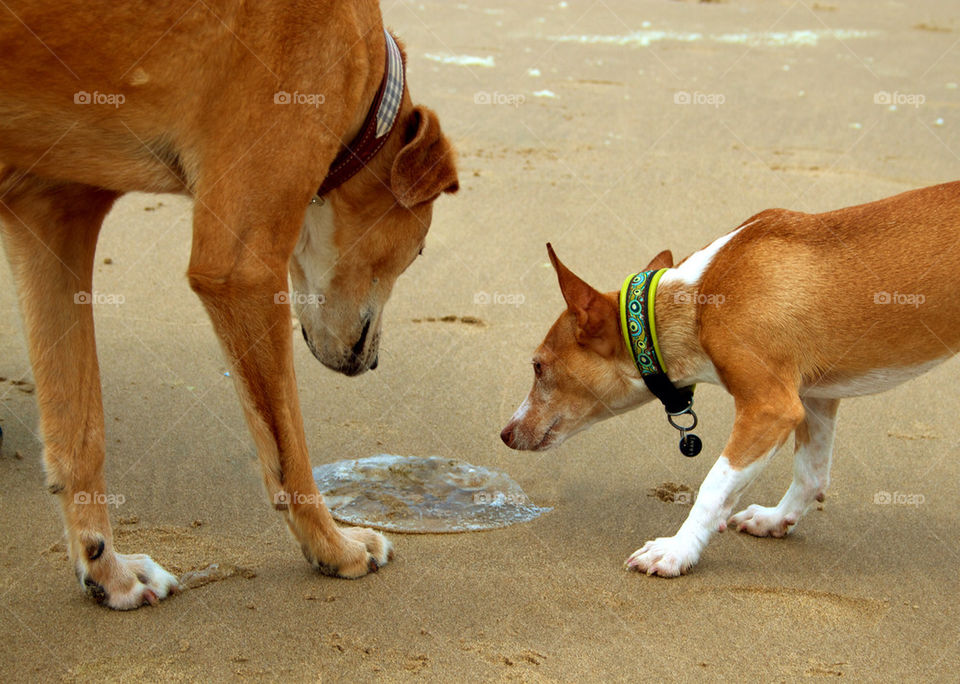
x=353 y=364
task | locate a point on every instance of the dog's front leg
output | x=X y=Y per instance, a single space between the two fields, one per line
x=238 y=270
x=760 y=428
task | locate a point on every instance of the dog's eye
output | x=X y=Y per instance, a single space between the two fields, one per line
x=537 y=369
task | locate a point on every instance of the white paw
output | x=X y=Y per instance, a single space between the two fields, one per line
x=665 y=556
x=761 y=521
x=132 y=581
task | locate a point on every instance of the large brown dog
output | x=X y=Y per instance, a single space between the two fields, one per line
x=196 y=98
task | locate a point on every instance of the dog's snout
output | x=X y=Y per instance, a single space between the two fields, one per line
x=360 y=356
x=507 y=435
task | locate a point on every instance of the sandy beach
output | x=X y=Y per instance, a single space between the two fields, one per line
x=612 y=129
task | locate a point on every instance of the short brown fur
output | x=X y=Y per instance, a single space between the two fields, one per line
x=794 y=312
x=199 y=116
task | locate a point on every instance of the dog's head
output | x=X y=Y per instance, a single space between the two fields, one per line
x=355 y=244
x=582 y=370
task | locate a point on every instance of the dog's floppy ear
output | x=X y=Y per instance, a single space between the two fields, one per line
x=426 y=165
x=596 y=315
x=663 y=260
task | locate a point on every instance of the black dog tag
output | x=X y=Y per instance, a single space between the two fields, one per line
x=690 y=445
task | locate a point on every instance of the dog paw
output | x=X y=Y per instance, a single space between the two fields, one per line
x=762 y=521
x=126 y=582
x=377 y=550
x=364 y=551
x=665 y=556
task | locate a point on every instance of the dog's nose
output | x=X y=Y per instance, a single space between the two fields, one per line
x=507 y=435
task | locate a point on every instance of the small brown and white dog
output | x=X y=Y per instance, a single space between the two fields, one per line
x=248 y=107
x=790 y=312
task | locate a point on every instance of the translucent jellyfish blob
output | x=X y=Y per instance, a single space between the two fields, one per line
x=422 y=495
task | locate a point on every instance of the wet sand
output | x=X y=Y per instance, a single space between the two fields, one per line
x=614 y=130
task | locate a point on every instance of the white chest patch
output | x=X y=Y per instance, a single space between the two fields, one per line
x=873 y=382
x=316 y=251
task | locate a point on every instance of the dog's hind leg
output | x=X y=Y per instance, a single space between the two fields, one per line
x=811 y=474
x=50 y=234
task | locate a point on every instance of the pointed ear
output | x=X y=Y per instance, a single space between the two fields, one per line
x=596 y=316
x=426 y=165
x=663 y=260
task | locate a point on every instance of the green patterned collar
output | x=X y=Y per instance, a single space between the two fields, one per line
x=639 y=326
x=638 y=323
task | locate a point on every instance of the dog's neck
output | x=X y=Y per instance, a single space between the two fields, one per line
x=685 y=361
x=379 y=121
